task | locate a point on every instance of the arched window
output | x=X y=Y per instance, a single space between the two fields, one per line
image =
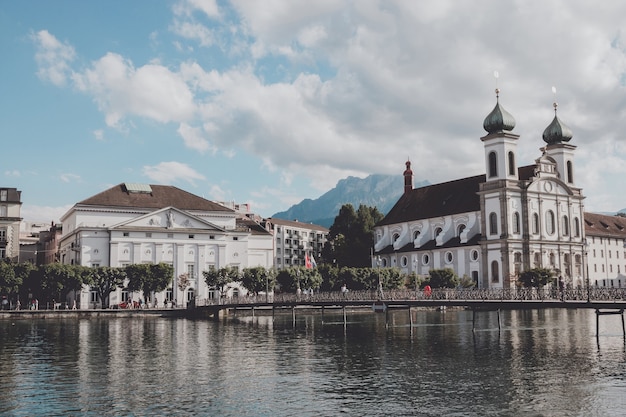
x=425 y=259
x=438 y=231
x=565 y=226
x=576 y=227
x=416 y=234
x=516 y=223
x=570 y=172
x=550 y=222
x=460 y=230
x=493 y=224
x=493 y=164
x=537 y=260
x=404 y=261
x=395 y=237
x=495 y=272
x=474 y=255
x=535 y=223
x=511 y=163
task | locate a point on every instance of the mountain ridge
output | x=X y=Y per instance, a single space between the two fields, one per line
x=376 y=190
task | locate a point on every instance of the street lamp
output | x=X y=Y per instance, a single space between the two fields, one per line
x=586 y=270
x=415 y=272
x=379 y=262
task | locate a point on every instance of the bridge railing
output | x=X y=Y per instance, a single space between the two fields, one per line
x=462 y=294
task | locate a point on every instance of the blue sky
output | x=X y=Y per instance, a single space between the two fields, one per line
x=271 y=102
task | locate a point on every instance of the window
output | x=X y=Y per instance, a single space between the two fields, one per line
x=535 y=223
x=460 y=229
x=565 y=226
x=516 y=223
x=493 y=164
x=449 y=257
x=235 y=238
x=570 y=172
x=93 y=296
x=474 y=255
x=191 y=271
x=4 y=195
x=550 y=222
x=416 y=234
x=495 y=273
x=395 y=237
x=576 y=227
x=511 y=163
x=191 y=236
x=493 y=224
x=125 y=234
x=404 y=261
x=425 y=259
x=148 y=234
x=3 y=211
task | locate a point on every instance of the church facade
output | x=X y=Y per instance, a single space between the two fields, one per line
x=492 y=227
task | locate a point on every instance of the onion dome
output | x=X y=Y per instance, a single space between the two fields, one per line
x=499 y=119
x=557 y=131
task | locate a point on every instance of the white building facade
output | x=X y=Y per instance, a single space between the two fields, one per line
x=492 y=227
x=295 y=240
x=139 y=223
x=10 y=208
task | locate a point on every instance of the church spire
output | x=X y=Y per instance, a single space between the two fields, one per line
x=408 y=177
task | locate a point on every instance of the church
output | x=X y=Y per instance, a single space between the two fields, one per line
x=492 y=227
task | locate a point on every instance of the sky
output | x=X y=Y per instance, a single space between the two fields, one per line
x=271 y=102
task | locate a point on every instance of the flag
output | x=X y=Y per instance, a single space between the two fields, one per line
x=307 y=261
x=313 y=263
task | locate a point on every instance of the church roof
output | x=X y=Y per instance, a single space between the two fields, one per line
x=143 y=196
x=603 y=225
x=459 y=196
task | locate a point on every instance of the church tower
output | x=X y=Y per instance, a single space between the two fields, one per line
x=408 y=178
x=500 y=144
x=557 y=135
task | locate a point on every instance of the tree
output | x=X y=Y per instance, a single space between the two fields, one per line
x=258 y=279
x=105 y=280
x=536 y=277
x=218 y=279
x=149 y=278
x=443 y=278
x=351 y=237
x=183 y=282
x=9 y=282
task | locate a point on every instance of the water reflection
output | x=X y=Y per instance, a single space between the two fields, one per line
x=540 y=362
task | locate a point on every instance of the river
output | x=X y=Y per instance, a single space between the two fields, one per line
x=539 y=363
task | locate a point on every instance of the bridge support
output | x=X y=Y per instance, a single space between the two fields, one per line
x=474 y=320
x=600 y=312
x=410 y=318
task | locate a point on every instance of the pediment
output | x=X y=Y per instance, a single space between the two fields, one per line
x=168 y=218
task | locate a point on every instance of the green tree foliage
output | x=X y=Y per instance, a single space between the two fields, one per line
x=258 y=279
x=443 y=278
x=351 y=237
x=218 y=279
x=105 y=280
x=330 y=277
x=149 y=278
x=537 y=277
x=9 y=282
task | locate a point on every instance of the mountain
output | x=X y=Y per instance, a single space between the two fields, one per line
x=377 y=190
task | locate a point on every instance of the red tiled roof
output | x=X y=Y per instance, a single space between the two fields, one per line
x=459 y=196
x=605 y=225
x=160 y=197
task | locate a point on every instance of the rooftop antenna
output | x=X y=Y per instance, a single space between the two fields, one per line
x=496 y=75
x=554 y=104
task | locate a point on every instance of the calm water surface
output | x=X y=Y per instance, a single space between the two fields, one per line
x=541 y=363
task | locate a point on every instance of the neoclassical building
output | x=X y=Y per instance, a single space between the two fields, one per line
x=139 y=223
x=491 y=227
x=10 y=207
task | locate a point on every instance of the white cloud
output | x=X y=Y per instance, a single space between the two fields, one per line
x=172 y=172
x=98 y=134
x=121 y=90
x=35 y=213
x=68 y=177
x=13 y=173
x=188 y=7
x=193 y=138
x=53 y=58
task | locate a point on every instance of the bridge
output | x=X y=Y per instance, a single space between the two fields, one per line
x=603 y=300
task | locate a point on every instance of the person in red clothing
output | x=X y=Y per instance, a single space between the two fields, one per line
x=427 y=291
